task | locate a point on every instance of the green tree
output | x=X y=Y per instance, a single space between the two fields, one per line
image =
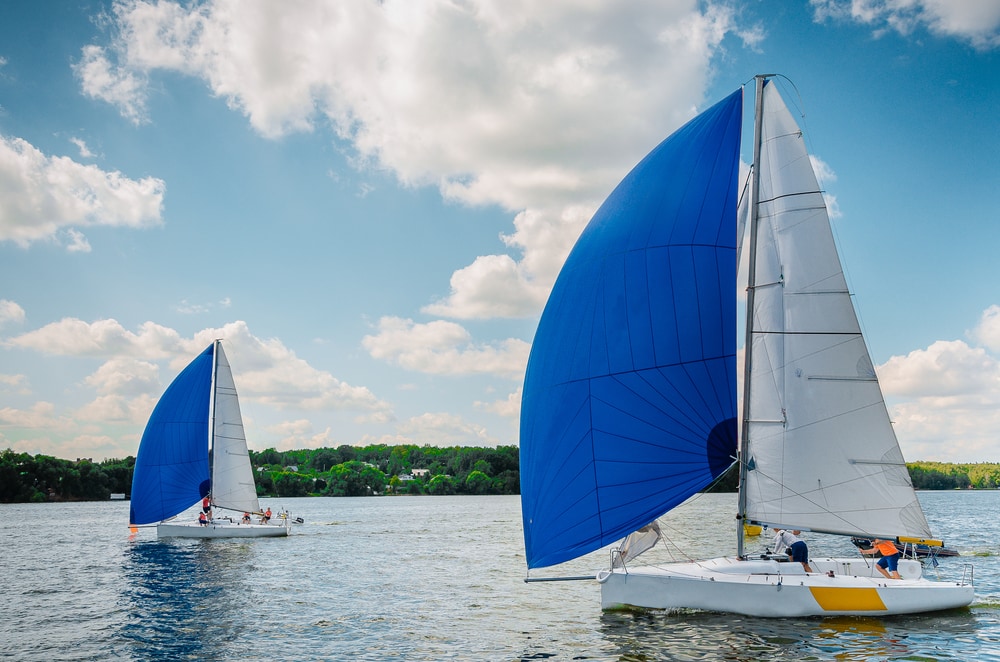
x=441 y=485
x=478 y=483
x=291 y=484
x=355 y=479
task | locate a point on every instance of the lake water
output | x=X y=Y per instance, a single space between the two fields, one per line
x=423 y=578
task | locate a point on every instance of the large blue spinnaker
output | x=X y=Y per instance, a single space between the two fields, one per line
x=171 y=467
x=629 y=400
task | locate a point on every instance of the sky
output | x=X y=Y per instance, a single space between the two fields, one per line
x=369 y=201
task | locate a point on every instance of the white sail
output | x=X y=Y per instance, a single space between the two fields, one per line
x=821 y=451
x=232 y=476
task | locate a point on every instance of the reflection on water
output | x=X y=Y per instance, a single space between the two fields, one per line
x=183 y=598
x=648 y=635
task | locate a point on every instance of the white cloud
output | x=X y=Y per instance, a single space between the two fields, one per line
x=509 y=93
x=125 y=376
x=945 y=369
x=103 y=339
x=976 y=22
x=77 y=242
x=987 y=333
x=444 y=348
x=509 y=407
x=442 y=429
x=43 y=195
x=299 y=434
x=944 y=401
x=131 y=410
x=14 y=384
x=119 y=86
x=267 y=370
x=10 y=313
x=82 y=146
x=42 y=415
x=497 y=286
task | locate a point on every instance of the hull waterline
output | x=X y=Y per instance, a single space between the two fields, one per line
x=226 y=530
x=776 y=590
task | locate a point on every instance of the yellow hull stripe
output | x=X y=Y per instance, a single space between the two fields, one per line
x=847 y=599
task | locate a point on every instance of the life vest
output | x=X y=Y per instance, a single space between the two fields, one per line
x=886 y=548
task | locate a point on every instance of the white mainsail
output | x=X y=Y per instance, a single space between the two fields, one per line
x=821 y=451
x=232 y=476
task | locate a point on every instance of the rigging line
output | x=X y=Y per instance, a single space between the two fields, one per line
x=806 y=333
x=819 y=506
x=672 y=548
x=794 y=195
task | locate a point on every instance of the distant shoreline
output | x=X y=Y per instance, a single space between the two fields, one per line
x=376 y=470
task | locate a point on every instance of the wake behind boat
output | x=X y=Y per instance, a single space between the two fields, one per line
x=193 y=449
x=629 y=404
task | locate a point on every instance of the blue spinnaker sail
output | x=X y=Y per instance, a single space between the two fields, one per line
x=171 y=467
x=629 y=400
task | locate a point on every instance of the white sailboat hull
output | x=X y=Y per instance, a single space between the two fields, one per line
x=780 y=589
x=222 y=530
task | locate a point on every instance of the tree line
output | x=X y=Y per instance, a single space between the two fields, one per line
x=376 y=469
x=344 y=471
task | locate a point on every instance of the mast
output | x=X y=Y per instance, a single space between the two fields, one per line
x=211 y=418
x=751 y=283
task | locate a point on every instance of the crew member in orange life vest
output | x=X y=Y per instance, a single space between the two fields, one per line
x=202 y=519
x=890 y=557
x=206 y=507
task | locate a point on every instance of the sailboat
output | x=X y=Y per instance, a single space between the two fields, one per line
x=194 y=447
x=629 y=405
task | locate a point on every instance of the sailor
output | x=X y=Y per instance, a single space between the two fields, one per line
x=889 y=563
x=790 y=543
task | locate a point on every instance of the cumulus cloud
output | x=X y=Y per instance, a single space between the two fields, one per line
x=269 y=372
x=538 y=108
x=973 y=21
x=111 y=408
x=40 y=415
x=14 y=384
x=126 y=377
x=945 y=369
x=45 y=198
x=10 y=313
x=509 y=407
x=82 y=146
x=299 y=433
x=102 y=339
x=498 y=286
x=444 y=348
x=443 y=429
x=948 y=391
x=119 y=86
x=987 y=333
